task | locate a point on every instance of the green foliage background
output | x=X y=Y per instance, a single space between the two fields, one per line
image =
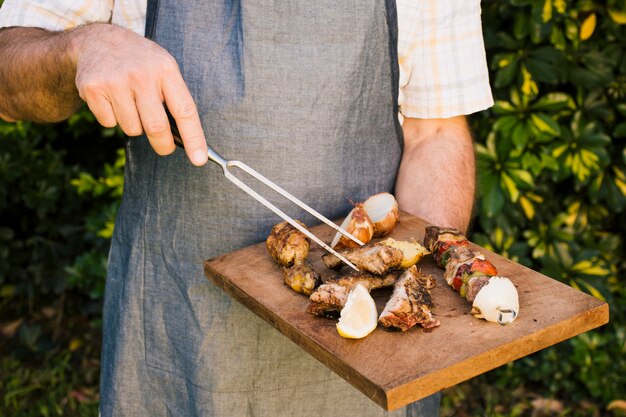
x=552 y=186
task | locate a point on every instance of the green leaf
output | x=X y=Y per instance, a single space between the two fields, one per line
x=545 y=124
x=549 y=162
x=528 y=207
x=557 y=38
x=509 y=185
x=505 y=124
x=492 y=196
x=552 y=102
x=506 y=75
x=532 y=162
x=503 y=60
x=520 y=135
x=541 y=71
x=504 y=107
x=521 y=177
x=520 y=27
x=592 y=290
x=620 y=130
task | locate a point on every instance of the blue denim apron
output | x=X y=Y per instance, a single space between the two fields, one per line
x=304 y=92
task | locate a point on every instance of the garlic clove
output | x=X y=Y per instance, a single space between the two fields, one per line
x=358 y=224
x=497 y=301
x=382 y=208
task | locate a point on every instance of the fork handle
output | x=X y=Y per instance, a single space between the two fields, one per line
x=178 y=141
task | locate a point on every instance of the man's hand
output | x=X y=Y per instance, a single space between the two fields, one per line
x=436 y=180
x=124 y=78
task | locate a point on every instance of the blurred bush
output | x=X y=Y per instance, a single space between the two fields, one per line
x=552 y=182
x=60 y=186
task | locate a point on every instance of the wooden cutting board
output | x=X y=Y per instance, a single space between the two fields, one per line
x=395 y=369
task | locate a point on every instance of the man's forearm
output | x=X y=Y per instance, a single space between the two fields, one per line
x=36 y=75
x=436 y=180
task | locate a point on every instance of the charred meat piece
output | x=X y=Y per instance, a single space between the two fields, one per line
x=439 y=240
x=330 y=297
x=287 y=245
x=376 y=258
x=302 y=278
x=431 y=236
x=410 y=303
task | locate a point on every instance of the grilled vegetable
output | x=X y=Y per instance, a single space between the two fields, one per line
x=287 y=245
x=301 y=278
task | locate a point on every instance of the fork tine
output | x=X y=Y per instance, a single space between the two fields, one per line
x=225 y=164
x=292 y=198
x=284 y=216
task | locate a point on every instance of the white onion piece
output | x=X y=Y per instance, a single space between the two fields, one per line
x=358 y=224
x=382 y=208
x=497 y=301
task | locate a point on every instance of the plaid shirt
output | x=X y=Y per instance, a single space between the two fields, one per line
x=443 y=68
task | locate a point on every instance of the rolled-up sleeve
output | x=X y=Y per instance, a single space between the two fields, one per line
x=441 y=53
x=66 y=14
x=54 y=14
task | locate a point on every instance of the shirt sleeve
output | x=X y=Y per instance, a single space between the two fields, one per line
x=441 y=53
x=54 y=14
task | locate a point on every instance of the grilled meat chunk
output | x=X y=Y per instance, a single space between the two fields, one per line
x=438 y=240
x=474 y=285
x=376 y=258
x=330 y=297
x=302 y=278
x=287 y=245
x=432 y=234
x=410 y=303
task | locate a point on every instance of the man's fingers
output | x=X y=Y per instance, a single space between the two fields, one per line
x=102 y=110
x=183 y=109
x=155 y=124
x=125 y=110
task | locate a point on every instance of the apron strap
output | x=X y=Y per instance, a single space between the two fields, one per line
x=392 y=24
x=151 y=17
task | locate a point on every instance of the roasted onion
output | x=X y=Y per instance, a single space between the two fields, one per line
x=358 y=224
x=497 y=301
x=382 y=208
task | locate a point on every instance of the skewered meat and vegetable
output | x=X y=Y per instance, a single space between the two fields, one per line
x=463 y=264
x=330 y=297
x=376 y=258
x=410 y=303
x=472 y=276
x=287 y=245
x=302 y=278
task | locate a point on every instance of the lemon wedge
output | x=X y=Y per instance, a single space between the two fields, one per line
x=413 y=251
x=359 y=316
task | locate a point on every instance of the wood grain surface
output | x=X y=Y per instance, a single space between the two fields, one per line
x=395 y=369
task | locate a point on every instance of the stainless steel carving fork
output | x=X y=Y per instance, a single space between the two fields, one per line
x=227 y=164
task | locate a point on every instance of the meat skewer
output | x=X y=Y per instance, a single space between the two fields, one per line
x=410 y=303
x=472 y=276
